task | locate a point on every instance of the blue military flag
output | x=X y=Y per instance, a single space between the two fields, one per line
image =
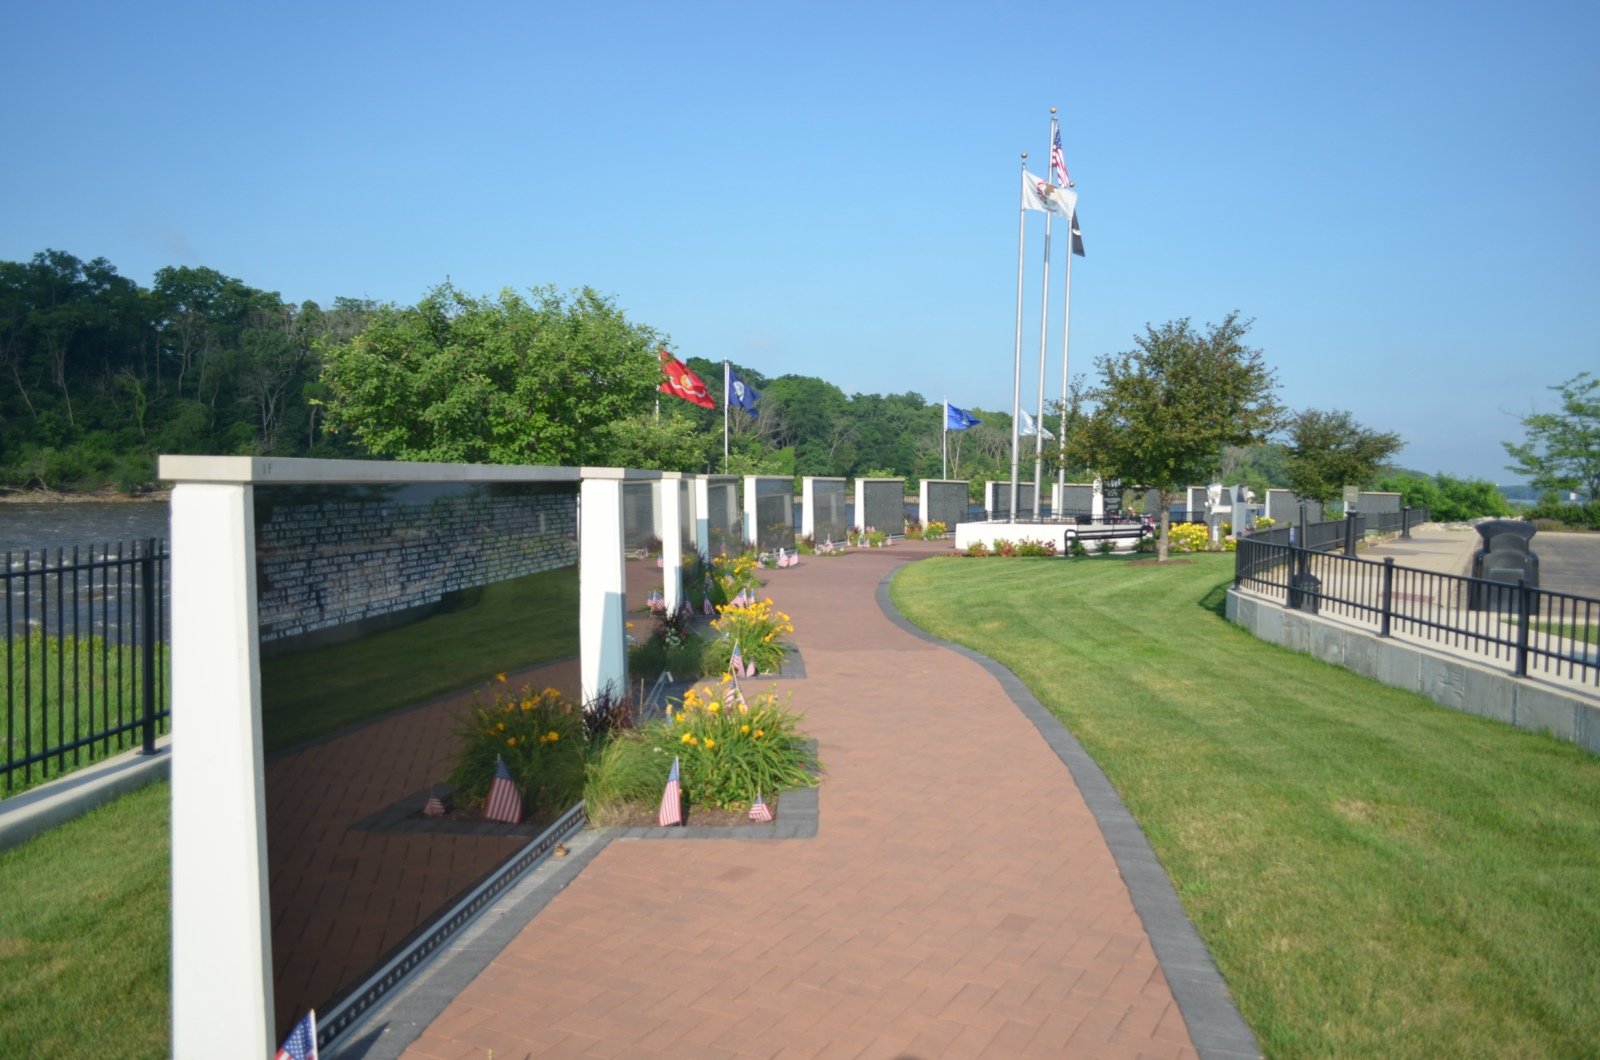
x=741 y=393
x=958 y=419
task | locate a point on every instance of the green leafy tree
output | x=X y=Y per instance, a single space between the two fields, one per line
x=1330 y=450
x=1163 y=411
x=1562 y=450
x=1447 y=498
x=506 y=380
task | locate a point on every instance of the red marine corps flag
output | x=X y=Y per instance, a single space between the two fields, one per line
x=680 y=382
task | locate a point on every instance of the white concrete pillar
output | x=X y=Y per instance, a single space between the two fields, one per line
x=808 y=507
x=1097 y=502
x=751 y=528
x=669 y=492
x=602 y=581
x=221 y=926
x=702 y=515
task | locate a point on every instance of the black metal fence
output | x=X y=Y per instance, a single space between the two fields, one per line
x=84 y=670
x=1531 y=630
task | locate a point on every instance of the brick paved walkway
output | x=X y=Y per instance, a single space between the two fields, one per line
x=959 y=898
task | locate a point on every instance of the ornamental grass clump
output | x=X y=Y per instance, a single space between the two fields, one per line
x=760 y=630
x=730 y=749
x=542 y=739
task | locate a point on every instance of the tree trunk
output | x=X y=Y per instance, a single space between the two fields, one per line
x=1163 y=544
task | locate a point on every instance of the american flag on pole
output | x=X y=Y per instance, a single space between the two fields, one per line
x=505 y=802
x=759 y=810
x=1058 y=161
x=708 y=608
x=736 y=661
x=671 y=811
x=434 y=807
x=302 y=1041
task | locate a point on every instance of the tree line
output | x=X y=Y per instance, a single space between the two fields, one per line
x=101 y=374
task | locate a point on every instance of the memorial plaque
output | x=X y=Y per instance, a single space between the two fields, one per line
x=1076 y=501
x=725 y=516
x=884 y=502
x=999 y=500
x=947 y=503
x=641 y=537
x=774 y=513
x=829 y=521
x=382 y=610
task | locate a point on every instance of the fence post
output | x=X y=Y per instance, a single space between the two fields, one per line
x=1349 y=533
x=148 y=588
x=1405 y=521
x=1524 y=620
x=1388 y=595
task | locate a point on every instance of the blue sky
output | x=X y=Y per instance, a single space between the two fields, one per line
x=1402 y=196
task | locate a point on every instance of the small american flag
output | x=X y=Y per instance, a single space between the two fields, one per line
x=434 y=807
x=1058 y=161
x=759 y=811
x=671 y=811
x=302 y=1041
x=505 y=802
x=708 y=608
x=736 y=661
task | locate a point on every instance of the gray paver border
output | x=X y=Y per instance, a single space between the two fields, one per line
x=1213 y=1019
x=384 y=1032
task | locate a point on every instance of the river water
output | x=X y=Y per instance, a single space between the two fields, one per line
x=31 y=525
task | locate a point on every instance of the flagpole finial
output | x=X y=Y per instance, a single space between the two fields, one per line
x=1024 y=156
x=1052 y=110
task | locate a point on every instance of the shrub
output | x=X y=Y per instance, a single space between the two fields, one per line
x=540 y=735
x=730 y=750
x=1554 y=516
x=914 y=530
x=934 y=530
x=1036 y=548
x=759 y=630
x=1105 y=547
x=1005 y=548
x=1265 y=523
x=731 y=574
x=978 y=549
x=1189 y=537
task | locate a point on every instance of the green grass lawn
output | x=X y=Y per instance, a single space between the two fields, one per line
x=58 y=689
x=85 y=927
x=1375 y=875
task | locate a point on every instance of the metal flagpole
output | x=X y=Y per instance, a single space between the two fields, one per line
x=1066 y=331
x=1044 y=321
x=1016 y=370
x=725 y=371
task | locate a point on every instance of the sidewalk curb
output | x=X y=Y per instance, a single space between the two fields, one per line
x=40 y=809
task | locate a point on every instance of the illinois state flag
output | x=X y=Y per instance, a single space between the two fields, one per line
x=1042 y=195
x=680 y=382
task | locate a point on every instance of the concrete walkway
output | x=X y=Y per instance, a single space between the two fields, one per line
x=959 y=898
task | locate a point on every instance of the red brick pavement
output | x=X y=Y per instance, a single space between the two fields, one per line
x=958 y=899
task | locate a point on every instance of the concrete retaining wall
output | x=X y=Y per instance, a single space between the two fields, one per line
x=1450 y=681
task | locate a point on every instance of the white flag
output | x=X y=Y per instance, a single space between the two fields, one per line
x=1028 y=429
x=1042 y=195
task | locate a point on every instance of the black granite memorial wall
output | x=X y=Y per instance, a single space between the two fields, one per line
x=884 y=505
x=774 y=513
x=829 y=521
x=383 y=612
x=947 y=503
